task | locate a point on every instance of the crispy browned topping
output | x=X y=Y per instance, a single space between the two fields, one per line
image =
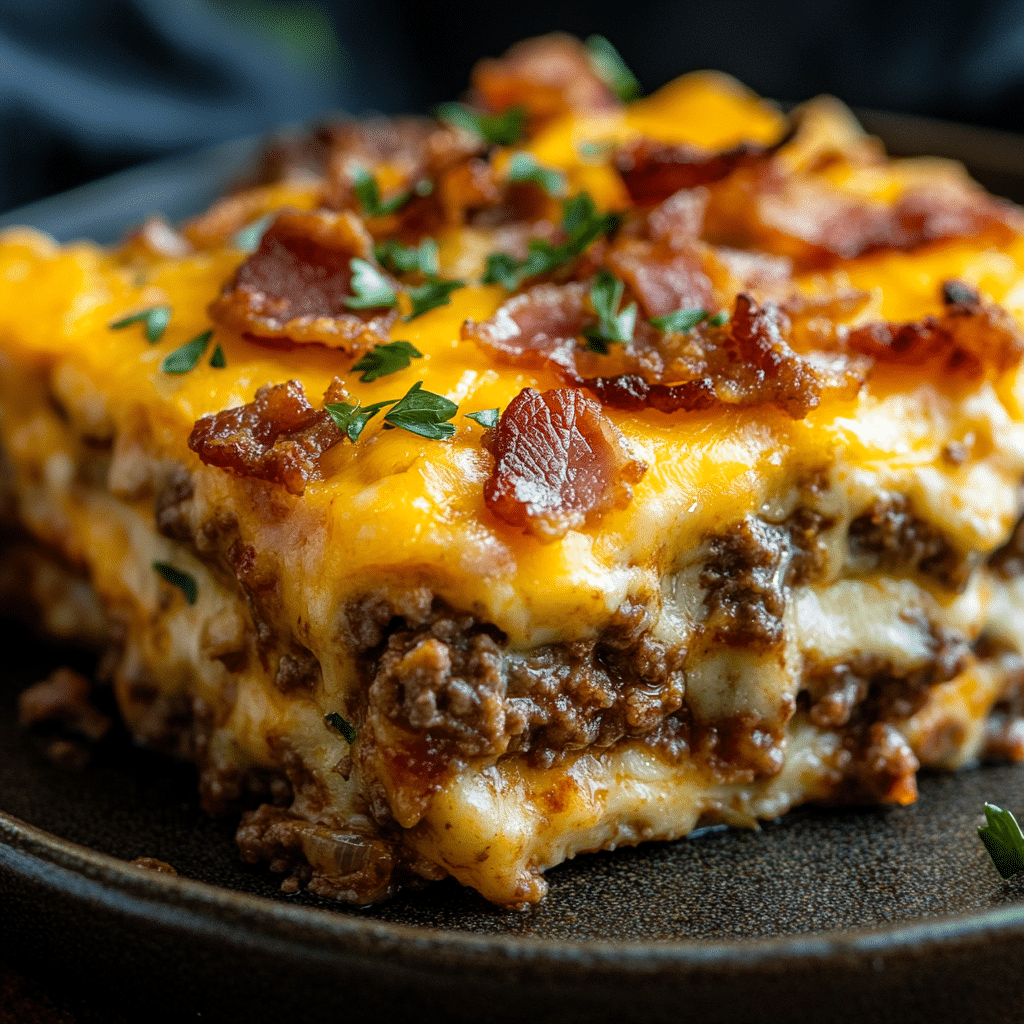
x=293 y=289
x=652 y=171
x=970 y=333
x=559 y=463
x=278 y=436
x=547 y=76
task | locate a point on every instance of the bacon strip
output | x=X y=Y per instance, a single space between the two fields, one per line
x=559 y=463
x=971 y=333
x=278 y=437
x=547 y=76
x=292 y=290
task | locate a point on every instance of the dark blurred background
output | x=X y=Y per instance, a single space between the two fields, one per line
x=91 y=86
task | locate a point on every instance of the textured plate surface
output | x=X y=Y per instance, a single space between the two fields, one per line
x=875 y=914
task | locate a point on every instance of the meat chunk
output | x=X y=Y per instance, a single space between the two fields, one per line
x=294 y=288
x=559 y=463
x=277 y=437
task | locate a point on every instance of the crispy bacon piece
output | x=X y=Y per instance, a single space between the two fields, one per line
x=662 y=281
x=277 y=437
x=547 y=76
x=293 y=288
x=652 y=171
x=559 y=463
x=971 y=333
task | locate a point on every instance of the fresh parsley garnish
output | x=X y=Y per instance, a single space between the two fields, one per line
x=485 y=417
x=217 y=360
x=248 y=238
x=342 y=725
x=505 y=129
x=612 y=326
x=582 y=224
x=156 y=319
x=387 y=358
x=609 y=66
x=402 y=259
x=183 y=359
x=365 y=186
x=370 y=288
x=180 y=579
x=436 y=292
x=353 y=418
x=719 y=319
x=679 y=322
x=523 y=168
x=424 y=413
x=1004 y=841
x=595 y=150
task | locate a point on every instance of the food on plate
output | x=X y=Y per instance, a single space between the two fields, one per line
x=465 y=493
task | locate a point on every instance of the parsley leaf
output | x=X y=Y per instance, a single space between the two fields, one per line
x=582 y=224
x=504 y=129
x=353 y=418
x=719 y=319
x=436 y=292
x=217 y=360
x=177 y=578
x=485 y=417
x=365 y=187
x=370 y=287
x=1004 y=841
x=680 y=321
x=503 y=269
x=342 y=725
x=248 y=238
x=183 y=359
x=387 y=358
x=403 y=259
x=156 y=319
x=609 y=66
x=424 y=413
x=612 y=326
x=524 y=168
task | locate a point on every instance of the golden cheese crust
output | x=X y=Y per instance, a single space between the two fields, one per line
x=465 y=496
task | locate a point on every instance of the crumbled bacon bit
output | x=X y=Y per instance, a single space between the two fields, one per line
x=559 y=463
x=970 y=333
x=652 y=171
x=277 y=437
x=547 y=76
x=293 y=288
x=662 y=283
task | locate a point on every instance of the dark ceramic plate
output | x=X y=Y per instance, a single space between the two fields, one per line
x=844 y=915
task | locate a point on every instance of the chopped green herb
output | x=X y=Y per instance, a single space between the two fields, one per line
x=248 y=238
x=424 y=413
x=180 y=579
x=609 y=66
x=387 y=358
x=502 y=269
x=403 y=259
x=370 y=288
x=217 y=360
x=485 y=417
x=339 y=724
x=1004 y=841
x=368 y=194
x=681 y=321
x=580 y=221
x=183 y=359
x=719 y=319
x=436 y=292
x=524 y=168
x=505 y=129
x=594 y=150
x=156 y=319
x=613 y=326
x=353 y=418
